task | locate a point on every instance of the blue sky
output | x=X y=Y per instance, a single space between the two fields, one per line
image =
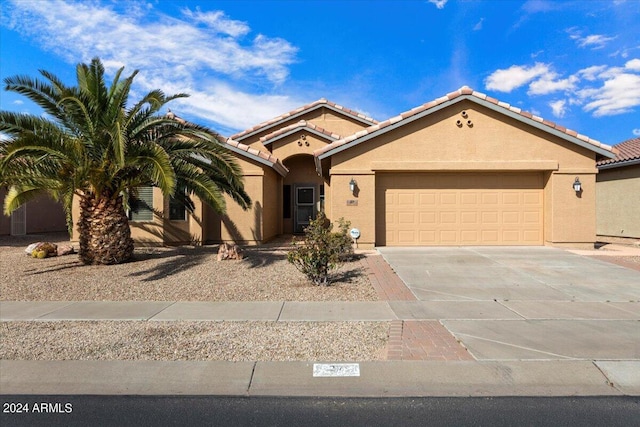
x=573 y=62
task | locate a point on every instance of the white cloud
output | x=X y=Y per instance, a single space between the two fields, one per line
x=478 y=26
x=188 y=53
x=506 y=80
x=547 y=83
x=593 y=41
x=537 y=6
x=558 y=108
x=636 y=132
x=218 y=21
x=633 y=65
x=591 y=73
x=438 y=3
x=599 y=89
x=18 y=102
x=618 y=95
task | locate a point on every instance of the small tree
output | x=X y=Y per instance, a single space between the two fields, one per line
x=321 y=250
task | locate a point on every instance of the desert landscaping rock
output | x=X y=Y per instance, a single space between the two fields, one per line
x=230 y=341
x=172 y=274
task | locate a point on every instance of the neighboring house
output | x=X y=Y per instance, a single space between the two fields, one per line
x=41 y=215
x=618 y=192
x=464 y=169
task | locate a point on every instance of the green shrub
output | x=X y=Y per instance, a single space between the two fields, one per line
x=321 y=250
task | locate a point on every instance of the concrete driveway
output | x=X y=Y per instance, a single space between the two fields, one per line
x=523 y=303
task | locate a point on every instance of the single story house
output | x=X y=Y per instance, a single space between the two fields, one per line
x=463 y=169
x=618 y=192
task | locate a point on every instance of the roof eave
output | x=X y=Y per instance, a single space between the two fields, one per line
x=621 y=164
x=274 y=165
x=292 y=131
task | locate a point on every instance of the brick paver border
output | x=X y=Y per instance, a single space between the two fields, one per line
x=385 y=281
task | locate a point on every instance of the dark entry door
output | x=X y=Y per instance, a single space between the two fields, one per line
x=305 y=207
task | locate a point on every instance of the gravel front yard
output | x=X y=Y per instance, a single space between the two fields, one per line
x=170 y=274
x=231 y=341
x=181 y=274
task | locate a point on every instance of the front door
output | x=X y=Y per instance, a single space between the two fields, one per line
x=305 y=207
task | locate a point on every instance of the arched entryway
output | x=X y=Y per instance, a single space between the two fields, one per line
x=302 y=193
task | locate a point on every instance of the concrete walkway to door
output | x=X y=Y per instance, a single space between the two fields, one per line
x=523 y=303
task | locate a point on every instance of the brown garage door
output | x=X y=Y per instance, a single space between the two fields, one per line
x=459 y=209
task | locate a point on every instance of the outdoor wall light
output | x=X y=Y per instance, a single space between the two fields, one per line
x=352 y=185
x=577 y=185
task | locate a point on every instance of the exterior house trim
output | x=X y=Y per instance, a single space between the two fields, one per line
x=297 y=127
x=321 y=103
x=257 y=156
x=619 y=164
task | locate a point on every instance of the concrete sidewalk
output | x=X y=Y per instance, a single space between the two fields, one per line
x=515 y=327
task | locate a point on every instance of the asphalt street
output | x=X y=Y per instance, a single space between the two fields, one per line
x=300 y=411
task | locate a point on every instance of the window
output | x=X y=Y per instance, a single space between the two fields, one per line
x=141 y=208
x=177 y=211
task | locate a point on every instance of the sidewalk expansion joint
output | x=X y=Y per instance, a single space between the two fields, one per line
x=253 y=371
x=281 y=310
x=57 y=309
x=161 y=310
x=609 y=382
x=510 y=309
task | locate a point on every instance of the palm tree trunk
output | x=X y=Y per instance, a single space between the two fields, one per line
x=105 y=237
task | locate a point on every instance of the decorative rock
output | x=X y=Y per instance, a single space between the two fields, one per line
x=65 y=250
x=32 y=247
x=42 y=250
x=228 y=251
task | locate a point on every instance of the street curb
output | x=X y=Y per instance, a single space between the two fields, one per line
x=374 y=379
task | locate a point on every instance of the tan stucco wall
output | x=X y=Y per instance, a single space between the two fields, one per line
x=160 y=230
x=300 y=142
x=238 y=225
x=272 y=205
x=618 y=202
x=494 y=142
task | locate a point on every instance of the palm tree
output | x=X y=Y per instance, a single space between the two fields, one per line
x=94 y=145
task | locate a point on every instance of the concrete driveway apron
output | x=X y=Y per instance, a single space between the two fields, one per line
x=523 y=303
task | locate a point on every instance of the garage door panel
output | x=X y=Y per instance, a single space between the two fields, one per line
x=428 y=218
x=469 y=218
x=461 y=209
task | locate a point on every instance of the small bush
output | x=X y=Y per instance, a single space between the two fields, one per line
x=321 y=250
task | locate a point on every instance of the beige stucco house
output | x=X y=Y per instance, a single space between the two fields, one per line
x=618 y=192
x=464 y=169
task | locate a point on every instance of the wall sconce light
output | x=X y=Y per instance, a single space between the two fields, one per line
x=577 y=185
x=352 y=185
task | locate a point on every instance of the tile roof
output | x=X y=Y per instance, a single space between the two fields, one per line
x=300 y=111
x=302 y=124
x=628 y=154
x=258 y=155
x=466 y=92
x=244 y=150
